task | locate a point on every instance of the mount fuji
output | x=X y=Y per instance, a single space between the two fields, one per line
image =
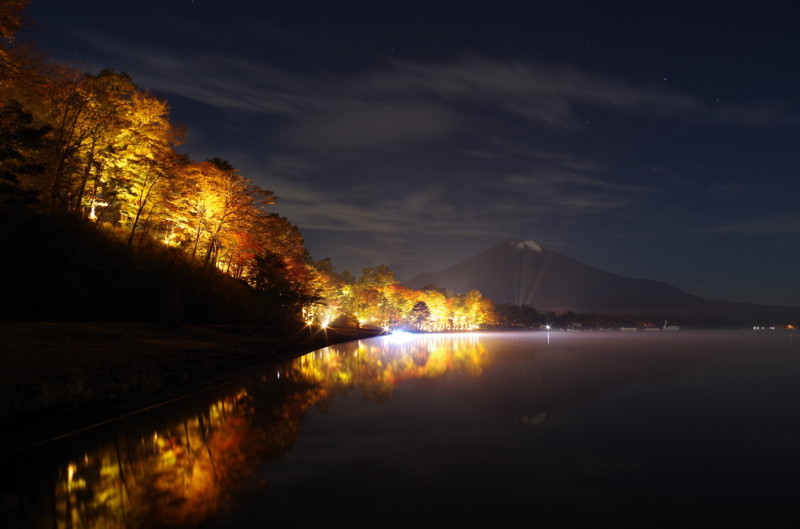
x=523 y=272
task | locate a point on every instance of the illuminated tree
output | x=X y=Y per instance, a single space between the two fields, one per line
x=187 y=209
x=216 y=208
x=436 y=300
x=229 y=200
x=85 y=112
x=328 y=288
x=282 y=259
x=471 y=310
x=370 y=294
x=277 y=234
x=400 y=301
x=106 y=124
x=144 y=159
x=240 y=250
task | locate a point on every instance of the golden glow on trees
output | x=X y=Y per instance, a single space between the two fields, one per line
x=143 y=161
x=106 y=151
x=376 y=300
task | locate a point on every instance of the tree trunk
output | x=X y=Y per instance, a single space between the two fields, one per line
x=84 y=179
x=143 y=197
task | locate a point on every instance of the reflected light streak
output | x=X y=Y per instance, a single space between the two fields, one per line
x=400 y=336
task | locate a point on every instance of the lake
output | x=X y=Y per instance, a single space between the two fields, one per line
x=527 y=429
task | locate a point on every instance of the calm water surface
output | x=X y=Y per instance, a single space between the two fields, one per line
x=668 y=429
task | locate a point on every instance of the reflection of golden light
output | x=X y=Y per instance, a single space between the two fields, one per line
x=71 y=469
x=194 y=466
x=397 y=358
x=72 y=481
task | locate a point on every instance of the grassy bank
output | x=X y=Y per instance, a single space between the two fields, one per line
x=57 y=376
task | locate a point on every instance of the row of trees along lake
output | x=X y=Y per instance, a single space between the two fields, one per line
x=103 y=217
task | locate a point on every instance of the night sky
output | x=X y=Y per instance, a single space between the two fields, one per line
x=655 y=140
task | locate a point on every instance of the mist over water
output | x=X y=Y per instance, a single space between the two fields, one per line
x=520 y=429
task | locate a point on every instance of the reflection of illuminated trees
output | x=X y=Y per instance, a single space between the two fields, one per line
x=376 y=368
x=180 y=475
x=193 y=468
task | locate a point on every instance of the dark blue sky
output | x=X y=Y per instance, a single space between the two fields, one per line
x=652 y=141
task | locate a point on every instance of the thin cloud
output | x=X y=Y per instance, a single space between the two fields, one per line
x=544 y=94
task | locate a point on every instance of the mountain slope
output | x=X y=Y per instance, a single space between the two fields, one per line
x=524 y=272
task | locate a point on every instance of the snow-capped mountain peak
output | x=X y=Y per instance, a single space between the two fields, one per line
x=520 y=244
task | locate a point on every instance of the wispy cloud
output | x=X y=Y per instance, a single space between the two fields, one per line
x=548 y=95
x=477 y=209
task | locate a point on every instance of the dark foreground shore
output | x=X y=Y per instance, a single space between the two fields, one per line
x=60 y=377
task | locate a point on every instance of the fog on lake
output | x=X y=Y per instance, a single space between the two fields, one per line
x=519 y=429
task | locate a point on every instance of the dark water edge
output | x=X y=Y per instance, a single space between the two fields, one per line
x=61 y=378
x=516 y=430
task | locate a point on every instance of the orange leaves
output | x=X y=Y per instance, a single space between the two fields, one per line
x=375 y=299
x=110 y=155
x=11 y=17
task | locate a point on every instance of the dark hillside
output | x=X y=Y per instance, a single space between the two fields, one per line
x=60 y=268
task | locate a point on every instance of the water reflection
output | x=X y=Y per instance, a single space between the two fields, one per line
x=161 y=471
x=174 y=474
x=192 y=461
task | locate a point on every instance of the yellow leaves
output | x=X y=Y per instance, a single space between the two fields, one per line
x=376 y=299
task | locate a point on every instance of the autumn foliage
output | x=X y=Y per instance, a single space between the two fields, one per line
x=98 y=149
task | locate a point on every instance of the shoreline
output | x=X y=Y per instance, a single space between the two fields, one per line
x=60 y=377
